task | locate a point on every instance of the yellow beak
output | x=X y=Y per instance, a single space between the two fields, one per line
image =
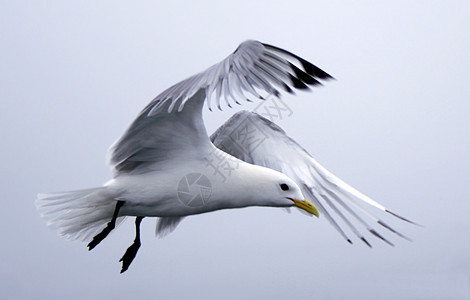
x=307 y=206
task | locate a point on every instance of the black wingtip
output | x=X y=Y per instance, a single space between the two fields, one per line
x=365 y=241
x=314 y=70
x=298 y=83
x=288 y=89
x=402 y=218
x=349 y=241
x=310 y=68
x=394 y=231
x=301 y=75
x=375 y=233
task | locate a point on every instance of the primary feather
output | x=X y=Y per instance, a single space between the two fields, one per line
x=256 y=140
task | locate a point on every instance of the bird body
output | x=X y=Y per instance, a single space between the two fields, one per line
x=166 y=166
x=155 y=194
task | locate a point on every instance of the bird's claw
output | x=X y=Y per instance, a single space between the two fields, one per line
x=129 y=256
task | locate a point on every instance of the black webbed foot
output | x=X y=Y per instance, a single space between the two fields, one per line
x=109 y=227
x=131 y=252
x=100 y=236
x=129 y=256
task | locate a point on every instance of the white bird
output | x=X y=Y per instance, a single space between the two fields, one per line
x=166 y=166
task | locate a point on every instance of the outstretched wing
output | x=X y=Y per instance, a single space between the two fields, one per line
x=256 y=140
x=171 y=125
x=253 y=69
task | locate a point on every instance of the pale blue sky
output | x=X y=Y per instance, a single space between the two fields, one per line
x=394 y=124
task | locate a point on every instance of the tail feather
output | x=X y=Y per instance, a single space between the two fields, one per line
x=78 y=215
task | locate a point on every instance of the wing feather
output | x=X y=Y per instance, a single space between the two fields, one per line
x=252 y=70
x=257 y=66
x=333 y=197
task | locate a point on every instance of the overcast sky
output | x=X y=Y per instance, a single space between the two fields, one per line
x=394 y=125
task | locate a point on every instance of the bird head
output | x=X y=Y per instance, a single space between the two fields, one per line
x=271 y=188
x=290 y=191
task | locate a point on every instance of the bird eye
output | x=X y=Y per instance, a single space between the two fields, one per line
x=284 y=187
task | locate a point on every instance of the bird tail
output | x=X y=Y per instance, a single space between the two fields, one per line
x=78 y=215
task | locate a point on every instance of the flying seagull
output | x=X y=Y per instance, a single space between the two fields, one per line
x=166 y=166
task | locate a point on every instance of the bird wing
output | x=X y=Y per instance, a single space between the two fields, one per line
x=256 y=140
x=171 y=125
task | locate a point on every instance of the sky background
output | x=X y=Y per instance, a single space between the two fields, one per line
x=394 y=124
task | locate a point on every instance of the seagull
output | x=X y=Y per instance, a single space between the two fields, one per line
x=166 y=166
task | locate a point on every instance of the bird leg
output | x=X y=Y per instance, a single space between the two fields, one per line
x=110 y=226
x=131 y=252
